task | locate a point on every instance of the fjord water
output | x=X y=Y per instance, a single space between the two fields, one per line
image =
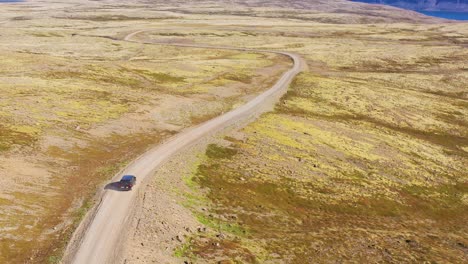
x=446 y=15
x=443 y=9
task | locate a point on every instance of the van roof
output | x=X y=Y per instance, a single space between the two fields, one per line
x=127 y=177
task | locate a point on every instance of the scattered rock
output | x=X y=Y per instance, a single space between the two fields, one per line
x=179 y=238
x=142 y=244
x=411 y=242
x=216 y=244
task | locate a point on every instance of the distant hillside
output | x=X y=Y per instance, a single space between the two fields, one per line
x=320 y=11
x=428 y=5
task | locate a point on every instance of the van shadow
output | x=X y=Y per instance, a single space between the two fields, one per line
x=114 y=186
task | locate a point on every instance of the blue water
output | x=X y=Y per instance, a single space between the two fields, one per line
x=447 y=15
x=453 y=15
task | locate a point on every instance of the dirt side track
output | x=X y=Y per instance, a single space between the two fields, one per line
x=98 y=238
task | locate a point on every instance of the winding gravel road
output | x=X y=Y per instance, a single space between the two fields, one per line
x=96 y=240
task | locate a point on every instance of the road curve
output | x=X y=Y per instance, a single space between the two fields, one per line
x=101 y=233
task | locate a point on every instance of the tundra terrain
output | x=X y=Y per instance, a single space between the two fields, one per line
x=363 y=160
x=77 y=104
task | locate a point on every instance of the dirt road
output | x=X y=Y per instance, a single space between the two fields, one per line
x=97 y=238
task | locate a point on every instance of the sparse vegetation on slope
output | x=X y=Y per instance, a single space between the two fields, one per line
x=72 y=114
x=364 y=159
